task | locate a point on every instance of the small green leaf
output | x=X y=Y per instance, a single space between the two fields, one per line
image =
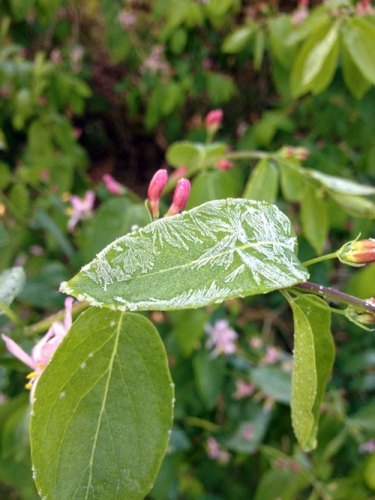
x=259 y=47
x=291 y=176
x=220 y=250
x=212 y=185
x=209 y=375
x=19 y=196
x=311 y=58
x=353 y=77
x=369 y=472
x=355 y=205
x=274 y=382
x=185 y=153
x=359 y=40
x=314 y=216
x=5 y=175
x=340 y=185
x=279 y=29
x=263 y=183
x=250 y=432
x=12 y=282
x=238 y=40
x=102 y=410
x=314 y=354
x=117 y=216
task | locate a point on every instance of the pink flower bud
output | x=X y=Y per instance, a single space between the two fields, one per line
x=180 y=172
x=357 y=253
x=360 y=315
x=113 y=186
x=155 y=189
x=224 y=165
x=213 y=120
x=180 y=197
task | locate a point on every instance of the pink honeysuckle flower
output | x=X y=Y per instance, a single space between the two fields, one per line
x=213 y=120
x=221 y=338
x=44 y=349
x=179 y=172
x=112 y=185
x=224 y=165
x=180 y=197
x=243 y=389
x=157 y=184
x=81 y=208
x=216 y=453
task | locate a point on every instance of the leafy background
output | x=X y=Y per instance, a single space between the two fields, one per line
x=89 y=88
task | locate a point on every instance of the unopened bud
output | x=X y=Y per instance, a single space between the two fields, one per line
x=112 y=185
x=224 y=165
x=213 y=120
x=155 y=189
x=290 y=152
x=357 y=253
x=360 y=315
x=180 y=197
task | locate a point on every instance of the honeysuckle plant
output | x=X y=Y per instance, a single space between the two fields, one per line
x=102 y=394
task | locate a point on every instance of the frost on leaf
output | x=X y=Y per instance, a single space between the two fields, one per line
x=219 y=250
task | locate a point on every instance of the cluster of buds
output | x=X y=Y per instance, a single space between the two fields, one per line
x=180 y=196
x=357 y=253
x=300 y=154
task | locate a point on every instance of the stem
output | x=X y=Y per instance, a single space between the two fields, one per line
x=45 y=323
x=204 y=424
x=10 y=314
x=335 y=295
x=320 y=259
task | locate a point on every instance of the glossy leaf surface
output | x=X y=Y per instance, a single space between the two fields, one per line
x=313 y=359
x=220 y=250
x=102 y=410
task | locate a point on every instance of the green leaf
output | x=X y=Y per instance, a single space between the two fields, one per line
x=263 y=183
x=314 y=216
x=12 y=282
x=188 y=328
x=340 y=185
x=309 y=65
x=259 y=48
x=318 y=19
x=212 y=185
x=185 y=153
x=369 y=472
x=279 y=30
x=250 y=432
x=117 y=216
x=20 y=199
x=217 y=251
x=355 y=205
x=359 y=40
x=291 y=176
x=209 y=375
x=5 y=175
x=313 y=360
x=353 y=77
x=238 y=40
x=274 y=382
x=102 y=410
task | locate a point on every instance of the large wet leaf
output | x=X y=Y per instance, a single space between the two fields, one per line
x=102 y=410
x=313 y=359
x=220 y=250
